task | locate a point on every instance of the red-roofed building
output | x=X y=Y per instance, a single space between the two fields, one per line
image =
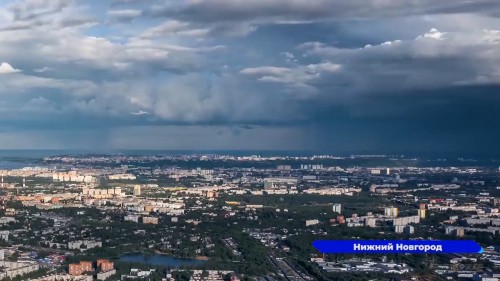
x=105 y=265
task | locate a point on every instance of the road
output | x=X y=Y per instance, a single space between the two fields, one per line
x=291 y=274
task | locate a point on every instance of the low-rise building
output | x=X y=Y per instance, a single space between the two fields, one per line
x=84 y=244
x=311 y=222
x=149 y=220
x=13 y=269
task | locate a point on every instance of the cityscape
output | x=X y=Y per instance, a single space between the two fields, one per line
x=249 y=140
x=226 y=217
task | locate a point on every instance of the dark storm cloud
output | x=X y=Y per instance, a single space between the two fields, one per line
x=449 y=120
x=297 y=10
x=334 y=74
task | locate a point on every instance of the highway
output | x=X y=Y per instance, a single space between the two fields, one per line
x=290 y=273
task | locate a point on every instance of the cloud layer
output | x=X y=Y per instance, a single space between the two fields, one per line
x=321 y=71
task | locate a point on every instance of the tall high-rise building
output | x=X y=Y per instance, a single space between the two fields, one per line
x=137 y=190
x=337 y=208
x=105 y=265
x=75 y=269
x=455 y=231
x=421 y=213
x=79 y=268
x=391 y=212
x=399 y=228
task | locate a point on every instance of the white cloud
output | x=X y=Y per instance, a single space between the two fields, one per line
x=265 y=70
x=6 y=68
x=166 y=28
x=324 y=67
x=433 y=60
x=124 y=15
x=492 y=36
x=297 y=77
x=433 y=34
x=141 y=112
x=26 y=83
x=289 y=57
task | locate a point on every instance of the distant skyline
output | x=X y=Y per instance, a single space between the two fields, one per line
x=364 y=76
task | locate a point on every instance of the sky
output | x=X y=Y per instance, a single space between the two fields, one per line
x=368 y=76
